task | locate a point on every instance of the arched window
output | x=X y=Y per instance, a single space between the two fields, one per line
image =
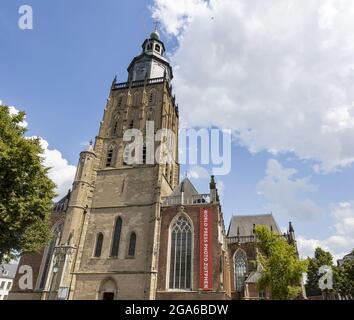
x=157 y=48
x=149 y=46
x=180 y=254
x=99 y=244
x=109 y=156
x=132 y=244
x=116 y=237
x=108 y=290
x=240 y=262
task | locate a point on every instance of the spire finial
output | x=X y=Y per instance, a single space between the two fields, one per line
x=155 y=34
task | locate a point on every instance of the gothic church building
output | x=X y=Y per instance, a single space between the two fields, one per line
x=134 y=231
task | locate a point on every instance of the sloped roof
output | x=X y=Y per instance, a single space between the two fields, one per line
x=242 y=225
x=188 y=189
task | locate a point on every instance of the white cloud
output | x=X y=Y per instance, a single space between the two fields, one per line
x=197 y=172
x=341 y=242
x=286 y=194
x=279 y=73
x=61 y=172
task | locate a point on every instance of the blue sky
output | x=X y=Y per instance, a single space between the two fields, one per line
x=61 y=71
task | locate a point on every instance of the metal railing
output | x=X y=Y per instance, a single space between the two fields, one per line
x=248 y=239
x=138 y=83
x=193 y=200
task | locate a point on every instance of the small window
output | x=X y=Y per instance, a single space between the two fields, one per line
x=132 y=244
x=99 y=244
x=131 y=124
x=109 y=157
x=149 y=46
x=9 y=286
x=144 y=153
x=2 y=285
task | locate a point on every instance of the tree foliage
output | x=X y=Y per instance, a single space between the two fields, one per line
x=344 y=279
x=320 y=258
x=281 y=269
x=26 y=192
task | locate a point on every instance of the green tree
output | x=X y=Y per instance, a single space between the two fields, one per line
x=320 y=258
x=26 y=192
x=281 y=268
x=344 y=278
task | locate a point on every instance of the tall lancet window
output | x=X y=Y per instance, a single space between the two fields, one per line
x=240 y=260
x=116 y=237
x=180 y=254
x=99 y=243
x=132 y=244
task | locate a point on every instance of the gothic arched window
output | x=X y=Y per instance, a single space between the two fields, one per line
x=240 y=263
x=109 y=156
x=116 y=237
x=99 y=244
x=132 y=245
x=180 y=254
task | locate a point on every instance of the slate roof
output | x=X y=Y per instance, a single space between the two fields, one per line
x=188 y=189
x=242 y=225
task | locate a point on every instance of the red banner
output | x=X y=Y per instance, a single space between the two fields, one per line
x=206 y=267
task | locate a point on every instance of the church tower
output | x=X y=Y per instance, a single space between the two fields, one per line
x=110 y=241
